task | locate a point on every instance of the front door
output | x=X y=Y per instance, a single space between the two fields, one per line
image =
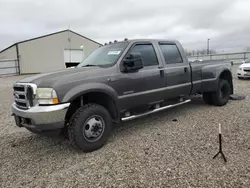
x=146 y=85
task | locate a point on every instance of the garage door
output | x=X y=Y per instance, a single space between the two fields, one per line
x=8 y=67
x=73 y=57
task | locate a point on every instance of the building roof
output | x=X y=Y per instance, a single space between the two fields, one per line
x=47 y=36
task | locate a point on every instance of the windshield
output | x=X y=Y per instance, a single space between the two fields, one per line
x=104 y=56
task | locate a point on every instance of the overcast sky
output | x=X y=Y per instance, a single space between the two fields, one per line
x=225 y=22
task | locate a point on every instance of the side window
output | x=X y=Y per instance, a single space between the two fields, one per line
x=148 y=54
x=171 y=53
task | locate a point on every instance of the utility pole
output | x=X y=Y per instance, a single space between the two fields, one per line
x=208 y=46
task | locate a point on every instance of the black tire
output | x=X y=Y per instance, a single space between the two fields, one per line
x=222 y=95
x=208 y=98
x=77 y=122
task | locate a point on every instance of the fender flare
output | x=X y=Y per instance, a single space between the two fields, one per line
x=230 y=81
x=79 y=90
x=213 y=73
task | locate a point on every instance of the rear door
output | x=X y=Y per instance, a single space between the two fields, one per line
x=177 y=71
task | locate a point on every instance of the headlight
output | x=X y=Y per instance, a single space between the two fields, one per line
x=46 y=96
x=240 y=69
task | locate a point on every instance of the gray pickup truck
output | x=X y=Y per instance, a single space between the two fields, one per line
x=117 y=82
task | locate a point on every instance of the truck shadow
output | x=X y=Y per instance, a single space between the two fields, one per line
x=169 y=114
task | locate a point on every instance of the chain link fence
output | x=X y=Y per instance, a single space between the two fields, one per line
x=235 y=58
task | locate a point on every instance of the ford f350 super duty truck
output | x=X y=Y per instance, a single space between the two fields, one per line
x=117 y=82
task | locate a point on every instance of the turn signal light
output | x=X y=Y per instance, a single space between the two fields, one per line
x=55 y=101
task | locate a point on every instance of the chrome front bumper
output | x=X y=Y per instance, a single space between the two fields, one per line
x=41 y=117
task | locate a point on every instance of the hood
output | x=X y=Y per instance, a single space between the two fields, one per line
x=51 y=79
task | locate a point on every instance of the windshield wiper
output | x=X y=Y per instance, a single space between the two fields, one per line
x=89 y=65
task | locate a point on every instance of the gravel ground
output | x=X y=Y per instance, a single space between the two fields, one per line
x=154 y=151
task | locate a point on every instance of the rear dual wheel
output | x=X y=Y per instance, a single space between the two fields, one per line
x=221 y=96
x=208 y=98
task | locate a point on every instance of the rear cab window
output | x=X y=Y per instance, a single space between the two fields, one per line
x=171 y=53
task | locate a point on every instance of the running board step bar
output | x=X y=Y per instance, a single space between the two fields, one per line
x=155 y=110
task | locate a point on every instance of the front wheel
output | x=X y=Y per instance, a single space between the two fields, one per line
x=89 y=127
x=222 y=95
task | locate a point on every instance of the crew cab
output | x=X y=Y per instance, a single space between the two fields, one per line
x=117 y=82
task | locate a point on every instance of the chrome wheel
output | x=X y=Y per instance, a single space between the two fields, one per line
x=93 y=128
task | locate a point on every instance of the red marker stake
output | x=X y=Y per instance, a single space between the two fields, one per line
x=220 y=145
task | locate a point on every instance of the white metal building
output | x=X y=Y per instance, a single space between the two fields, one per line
x=50 y=52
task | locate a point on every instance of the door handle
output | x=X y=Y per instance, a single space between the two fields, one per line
x=161 y=69
x=185 y=69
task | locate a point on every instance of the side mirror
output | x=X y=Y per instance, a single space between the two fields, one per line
x=132 y=62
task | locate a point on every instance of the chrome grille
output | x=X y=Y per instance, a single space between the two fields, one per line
x=24 y=94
